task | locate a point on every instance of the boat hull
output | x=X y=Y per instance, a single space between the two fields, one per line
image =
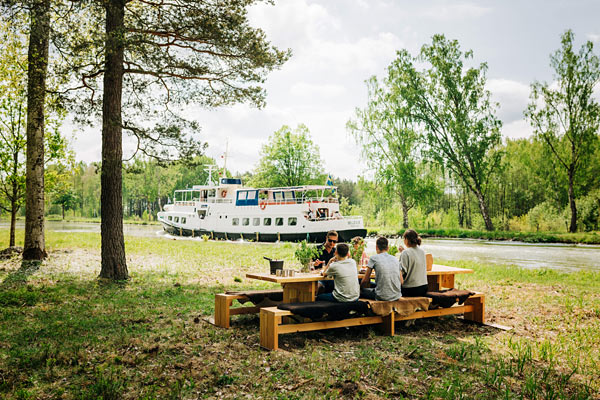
x=314 y=237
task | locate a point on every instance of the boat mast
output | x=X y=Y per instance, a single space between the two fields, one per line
x=210 y=168
x=225 y=158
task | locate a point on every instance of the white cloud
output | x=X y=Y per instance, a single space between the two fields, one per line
x=517 y=129
x=513 y=97
x=594 y=37
x=452 y=11
x=304 y=89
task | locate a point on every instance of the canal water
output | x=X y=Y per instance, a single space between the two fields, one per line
x=554 y=256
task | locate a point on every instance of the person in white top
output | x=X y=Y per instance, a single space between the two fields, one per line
x=413 y=265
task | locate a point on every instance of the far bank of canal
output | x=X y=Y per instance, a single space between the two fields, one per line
x=554 y=256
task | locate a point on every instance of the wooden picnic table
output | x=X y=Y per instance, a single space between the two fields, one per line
x=302 y=287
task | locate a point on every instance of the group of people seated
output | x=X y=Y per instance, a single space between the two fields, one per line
x=405 y=276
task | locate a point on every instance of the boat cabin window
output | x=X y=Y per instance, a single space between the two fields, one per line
x=247 y=198
x=245 y=221
x=279 y=221
x=278 y=196
x=256 y=221
x=201 y=214
x=176 y=219
x=288 y=195
x=170 y=218
x=183 y=220
x=292 y=221
x=235 y=221
x=267 y=222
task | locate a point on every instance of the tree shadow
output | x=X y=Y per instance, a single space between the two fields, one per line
x=21 y=275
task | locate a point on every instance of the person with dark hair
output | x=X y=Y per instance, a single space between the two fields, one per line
x=388 y=280
x=327 y=251
x=413 y=265
x=345 y=278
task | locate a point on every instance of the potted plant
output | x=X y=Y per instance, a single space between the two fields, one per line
x=305 y=253
x=357 y=249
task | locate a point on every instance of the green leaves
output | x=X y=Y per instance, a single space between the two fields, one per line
x=290 y=158
x=564 y=115
x=450 y=104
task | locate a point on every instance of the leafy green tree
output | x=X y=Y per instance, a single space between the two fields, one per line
x=566 y=117
x=391 y=145
x=67 y=199
x=449 y=101
x=13 y=116
x=163 y=56
x=290 y=158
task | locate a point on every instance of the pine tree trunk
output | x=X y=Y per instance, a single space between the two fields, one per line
x=111 y=202
x=37 y=59
x=484 y=211
x=572 y=205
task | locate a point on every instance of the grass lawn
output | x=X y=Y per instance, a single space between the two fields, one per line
x=63 y=334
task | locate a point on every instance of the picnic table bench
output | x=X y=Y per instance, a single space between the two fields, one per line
x=273 y=323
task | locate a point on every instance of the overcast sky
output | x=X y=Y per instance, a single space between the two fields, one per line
x=337 y=44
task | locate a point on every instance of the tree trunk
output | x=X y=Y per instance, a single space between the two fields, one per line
x=484 y=211
x=111 y=202
x=13 y=217
x=573 y=206
x=63 y=211
x=37 y=60
x=405 y=209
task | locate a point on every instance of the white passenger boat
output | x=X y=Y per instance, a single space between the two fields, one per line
x=230 y=211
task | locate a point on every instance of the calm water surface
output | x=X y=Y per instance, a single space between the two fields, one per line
x=555 y=256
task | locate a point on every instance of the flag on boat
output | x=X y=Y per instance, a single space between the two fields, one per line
x=330 y=183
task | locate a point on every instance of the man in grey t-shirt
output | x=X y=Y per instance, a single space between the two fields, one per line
x=345 y=277
x=388 y=278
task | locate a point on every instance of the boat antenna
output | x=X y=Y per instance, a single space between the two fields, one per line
x=225 y=158
x=210 y=168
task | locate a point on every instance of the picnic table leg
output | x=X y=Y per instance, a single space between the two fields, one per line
x=447 y=281
x=222 y=304
x=299 y=292
x=388 y=324
x=478 y=314
x=434 y=283
x=269 y=335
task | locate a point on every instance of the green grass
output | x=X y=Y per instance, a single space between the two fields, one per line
x=528 y=237
x=64 y=334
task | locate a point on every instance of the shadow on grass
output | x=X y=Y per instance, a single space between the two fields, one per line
x=20 y=276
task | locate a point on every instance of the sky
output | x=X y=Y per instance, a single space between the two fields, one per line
x=338 y=44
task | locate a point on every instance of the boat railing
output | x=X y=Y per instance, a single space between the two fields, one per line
x=209 y=200
x=298 y=200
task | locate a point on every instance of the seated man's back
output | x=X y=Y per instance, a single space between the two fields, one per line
x=387 y=276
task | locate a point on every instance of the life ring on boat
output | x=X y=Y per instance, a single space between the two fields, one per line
x=223 y=192
x=262 y=204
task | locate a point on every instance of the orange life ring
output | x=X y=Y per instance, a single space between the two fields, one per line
x=262 y=205
x=223 y=192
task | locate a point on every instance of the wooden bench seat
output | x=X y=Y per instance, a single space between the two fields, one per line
x=224 y=311
x=273 y=323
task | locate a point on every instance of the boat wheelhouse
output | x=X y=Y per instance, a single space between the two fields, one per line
x=231 y=211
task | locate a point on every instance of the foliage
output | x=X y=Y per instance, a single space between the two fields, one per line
x=566 y=118
x=176 y=54
x=290 y=158
x=451 y=104
x=357 y=248
x=305 y=253
x=391 y=145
